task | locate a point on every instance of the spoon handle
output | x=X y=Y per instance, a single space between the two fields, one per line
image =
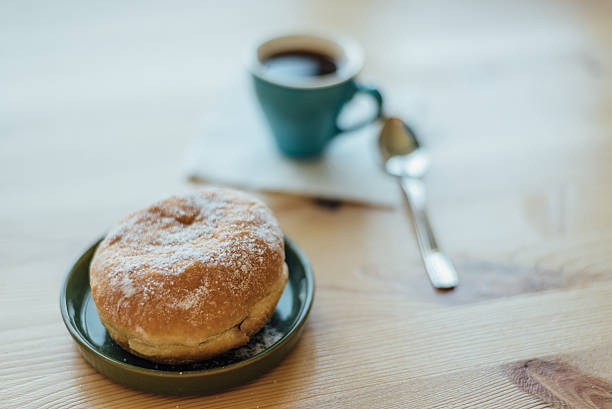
x=441 y=272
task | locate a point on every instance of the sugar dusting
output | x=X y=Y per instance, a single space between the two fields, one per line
x=192 y=298
x=259 y=343
x=208 y=238
x=125 y=285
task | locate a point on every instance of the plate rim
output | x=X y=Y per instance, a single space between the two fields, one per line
x=84 y=343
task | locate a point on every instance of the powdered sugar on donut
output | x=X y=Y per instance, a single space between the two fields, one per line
x=177 y=244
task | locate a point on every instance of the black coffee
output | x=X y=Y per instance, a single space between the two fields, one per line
x=299 y=64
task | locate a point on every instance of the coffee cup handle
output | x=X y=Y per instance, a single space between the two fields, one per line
x=378 y=99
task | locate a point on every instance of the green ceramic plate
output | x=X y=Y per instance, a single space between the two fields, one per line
x=264 y=350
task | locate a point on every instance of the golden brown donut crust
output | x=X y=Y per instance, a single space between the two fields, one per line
x=190 y=276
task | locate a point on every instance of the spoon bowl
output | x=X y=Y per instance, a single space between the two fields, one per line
x=400 y=150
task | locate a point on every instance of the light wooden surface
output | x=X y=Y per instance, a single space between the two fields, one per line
x=98 y=103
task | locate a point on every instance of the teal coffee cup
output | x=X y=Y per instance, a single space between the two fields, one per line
x=302 y=83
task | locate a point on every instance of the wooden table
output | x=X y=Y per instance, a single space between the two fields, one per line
x=99 y=102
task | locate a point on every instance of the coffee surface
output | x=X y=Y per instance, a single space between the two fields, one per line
x=299 y=64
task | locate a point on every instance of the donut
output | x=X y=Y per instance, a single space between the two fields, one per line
x=189 y=277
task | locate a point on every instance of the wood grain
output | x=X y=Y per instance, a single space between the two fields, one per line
x=561 y=385
x=514 y=101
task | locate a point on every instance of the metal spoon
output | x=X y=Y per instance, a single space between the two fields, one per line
x=404 y=157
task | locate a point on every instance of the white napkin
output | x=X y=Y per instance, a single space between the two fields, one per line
x=235 y=148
